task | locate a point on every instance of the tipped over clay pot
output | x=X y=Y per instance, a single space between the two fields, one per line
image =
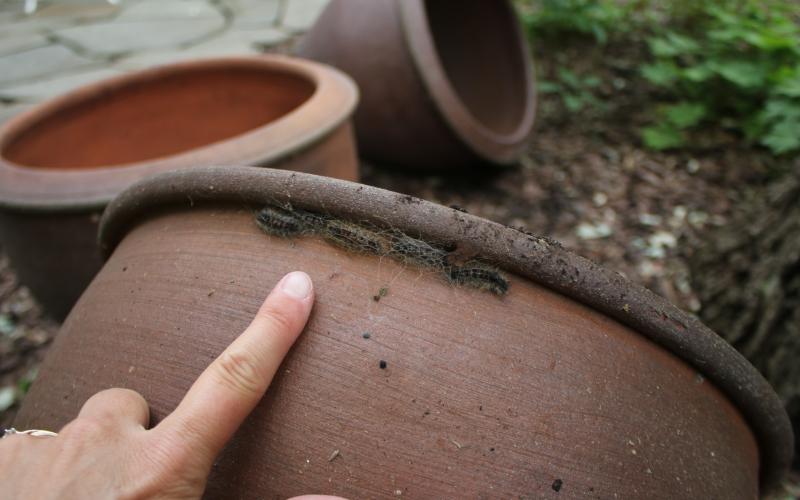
x=444 y=85
x=446 y=356
x=63 y=161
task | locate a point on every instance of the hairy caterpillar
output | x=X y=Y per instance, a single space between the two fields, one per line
x=354 y=237
x=287 y=222
x=478 y=275
x=279 y=222
x=415 y=251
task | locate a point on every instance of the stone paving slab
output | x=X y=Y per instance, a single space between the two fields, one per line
x=68 y=43
x=300 y=15
x=6 y=18
x=112 y=38
x=63 y=11
x=22 y=43
x=8 y=7
x=48 y=88
x=254 y=14
x=161 y=10
x=17 y=26
x=38 y=62
x=158 y=58
x=259 y=39
x=234 y=43
x=14 y=23
x=8 y=112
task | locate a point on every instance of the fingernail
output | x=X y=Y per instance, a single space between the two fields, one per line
x=297 y=284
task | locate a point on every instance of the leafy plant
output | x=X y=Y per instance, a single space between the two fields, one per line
x=576 y=92
x=674 y=119
x=595 y=18
x=734 y=63
x=731 y=64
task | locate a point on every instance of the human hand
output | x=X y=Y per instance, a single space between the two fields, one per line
x=108 y=452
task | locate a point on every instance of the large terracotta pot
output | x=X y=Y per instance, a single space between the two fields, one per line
x=545 y=373
x=63 y=161
x=444 y=84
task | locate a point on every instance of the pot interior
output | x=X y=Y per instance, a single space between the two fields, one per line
x=478 y=46
x=163 y=114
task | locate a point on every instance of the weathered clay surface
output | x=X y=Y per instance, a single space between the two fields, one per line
x=573 y=376
x=480 y=395
x=65 y=159
x=442 y=88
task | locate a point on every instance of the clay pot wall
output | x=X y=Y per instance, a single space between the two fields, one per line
x=62 y=162
x=573 y=380
x=442 y=88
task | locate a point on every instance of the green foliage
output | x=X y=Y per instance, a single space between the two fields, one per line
x=674 y=119
x=595 y=18
x=576 y=92
x=778 y=125
x=733 y=63
x=662 y=136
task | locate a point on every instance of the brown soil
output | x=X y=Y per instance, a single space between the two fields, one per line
x=25 y=336
x=588 y=182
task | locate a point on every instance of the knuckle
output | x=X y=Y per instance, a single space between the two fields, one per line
x=84 y=429
x=183 y=449
x=110 y=393
x=170 y=454
x=277 y=319
x=239 y=372
x=127 y=394
x=100 y=402
x=169 y=451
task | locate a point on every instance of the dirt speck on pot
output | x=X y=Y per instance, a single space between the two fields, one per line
x=383 y=292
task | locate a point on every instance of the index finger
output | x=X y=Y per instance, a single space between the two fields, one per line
x=228 y=390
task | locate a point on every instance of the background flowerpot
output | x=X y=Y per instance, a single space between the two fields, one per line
x=442 y=87
x=574 y=380
x=63 y=161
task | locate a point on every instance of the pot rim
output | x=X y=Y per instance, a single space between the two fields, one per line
x=41 y=189
x=541 y=260
x=500 y=148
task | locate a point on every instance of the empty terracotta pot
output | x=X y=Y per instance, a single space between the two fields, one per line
x=443 y=85
x=63 y=161
x=534 y=372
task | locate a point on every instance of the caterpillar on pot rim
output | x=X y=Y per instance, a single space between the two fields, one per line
x=362 y=238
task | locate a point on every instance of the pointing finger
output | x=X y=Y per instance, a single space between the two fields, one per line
x=228 y=390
